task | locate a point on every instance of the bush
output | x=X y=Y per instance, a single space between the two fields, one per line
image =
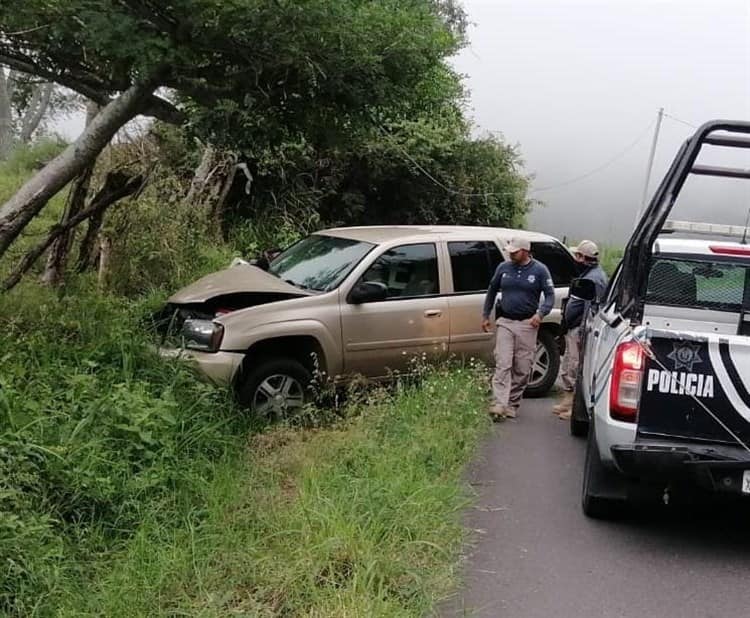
x=25 y=159
x=357 y=519
x=96 y=432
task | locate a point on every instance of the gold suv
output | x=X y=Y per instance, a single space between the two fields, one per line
x=353 y=301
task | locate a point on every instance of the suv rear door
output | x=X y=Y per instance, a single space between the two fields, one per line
x=472 y=264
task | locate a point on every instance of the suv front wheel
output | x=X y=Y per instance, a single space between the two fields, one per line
x=276 y=389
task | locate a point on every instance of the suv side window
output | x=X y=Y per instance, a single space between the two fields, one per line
x=407 y=271
x=473 y=263
x=557 y=259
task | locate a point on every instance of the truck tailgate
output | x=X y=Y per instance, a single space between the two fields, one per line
x=688 y=374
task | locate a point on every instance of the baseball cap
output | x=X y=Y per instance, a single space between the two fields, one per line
x=516 y=244
x=588 y=249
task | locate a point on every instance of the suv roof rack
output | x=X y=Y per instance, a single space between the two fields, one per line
x=672 y=226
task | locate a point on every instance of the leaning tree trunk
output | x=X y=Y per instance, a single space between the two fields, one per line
x=36 y=111
x=58 y=253
x=19 y=210
x=88 y=250
x=117 y=186
x=6 y=115
x=201 y=174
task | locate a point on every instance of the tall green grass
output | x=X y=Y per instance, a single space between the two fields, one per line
x=361 y=519
x=96 y=435
x=130 y=488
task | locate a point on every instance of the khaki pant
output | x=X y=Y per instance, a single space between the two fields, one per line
x=515 y=346
x=569 y=369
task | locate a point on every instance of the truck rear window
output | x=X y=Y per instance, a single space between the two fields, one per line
x=697 y=283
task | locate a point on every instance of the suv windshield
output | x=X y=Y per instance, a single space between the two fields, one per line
x=319 y=262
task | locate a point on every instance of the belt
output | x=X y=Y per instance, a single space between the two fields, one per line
x=512 y=316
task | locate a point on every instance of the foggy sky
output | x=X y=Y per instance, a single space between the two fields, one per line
x=574 y=83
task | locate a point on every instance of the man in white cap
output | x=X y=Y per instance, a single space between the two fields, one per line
x=587 y=255
x=522 y=282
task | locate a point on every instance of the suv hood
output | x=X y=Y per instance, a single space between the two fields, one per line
x=236 y=279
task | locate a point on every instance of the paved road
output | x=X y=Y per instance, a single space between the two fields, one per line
x=535 y=555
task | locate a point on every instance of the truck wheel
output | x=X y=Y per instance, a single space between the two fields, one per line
x=603 y=495
x=579 y=418
x=546 y=365
x=276 y=389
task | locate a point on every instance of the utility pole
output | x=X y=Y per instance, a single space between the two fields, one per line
x=642 y=207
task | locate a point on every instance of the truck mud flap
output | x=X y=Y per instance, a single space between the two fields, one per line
x=689 y=376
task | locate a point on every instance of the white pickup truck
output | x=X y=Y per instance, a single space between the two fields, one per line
x=663 y=390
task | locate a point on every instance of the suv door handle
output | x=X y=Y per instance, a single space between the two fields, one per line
x=433 y=313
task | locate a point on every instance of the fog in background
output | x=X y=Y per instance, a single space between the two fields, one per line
x=575 y=83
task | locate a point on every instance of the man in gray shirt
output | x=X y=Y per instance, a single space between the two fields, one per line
x=587 y=255
x=521 y=282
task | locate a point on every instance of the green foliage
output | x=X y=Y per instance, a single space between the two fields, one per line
x=126 y=490
x=355 y=520
x=153 y=250
x=343 y=113
x=251 y=71
x=610 y=257
x=413 y=172
x=96 y=432
x=13 y=173
x=22 y=161
x=431 y=171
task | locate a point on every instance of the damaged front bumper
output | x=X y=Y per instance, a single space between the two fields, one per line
x=218 y=367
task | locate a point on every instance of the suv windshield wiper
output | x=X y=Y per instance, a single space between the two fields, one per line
x=302 y=286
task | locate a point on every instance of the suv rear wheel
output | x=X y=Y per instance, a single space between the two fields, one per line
x=546 y=365
x=276 y=389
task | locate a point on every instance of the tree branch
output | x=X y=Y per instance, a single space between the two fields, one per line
x=116 y=187
x=36 y=111
x=26 y=203
x=92 y=88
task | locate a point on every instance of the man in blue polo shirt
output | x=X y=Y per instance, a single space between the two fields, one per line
x=522 y=282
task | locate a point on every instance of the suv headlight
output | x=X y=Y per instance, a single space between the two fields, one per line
x=203 y=335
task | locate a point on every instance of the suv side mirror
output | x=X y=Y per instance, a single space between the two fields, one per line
x=583 y=289
x=368 y=292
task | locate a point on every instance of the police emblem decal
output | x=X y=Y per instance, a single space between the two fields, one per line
x=685 y=356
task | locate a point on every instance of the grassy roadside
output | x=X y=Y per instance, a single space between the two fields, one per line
x=129 y=488
x=357 y=520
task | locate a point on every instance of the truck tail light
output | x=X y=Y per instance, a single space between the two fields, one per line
x=625 y=387
x=738 y=251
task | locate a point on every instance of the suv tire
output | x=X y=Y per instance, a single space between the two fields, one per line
x=276 y=388
x=579 y=417
x=551 y=353
x=603 y=494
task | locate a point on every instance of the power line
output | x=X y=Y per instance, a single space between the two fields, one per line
x=605 y=165
x=446 y=188
x=685 y=122
x=488 y=194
